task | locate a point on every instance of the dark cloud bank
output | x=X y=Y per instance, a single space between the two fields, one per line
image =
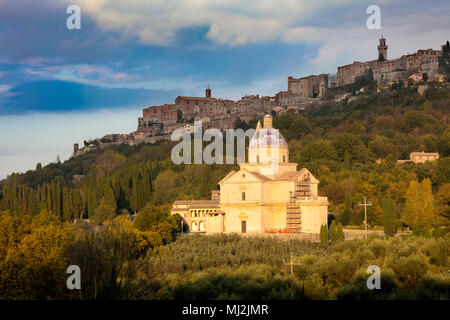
x=57 y=96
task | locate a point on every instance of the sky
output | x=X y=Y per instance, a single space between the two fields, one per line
x=61 y=86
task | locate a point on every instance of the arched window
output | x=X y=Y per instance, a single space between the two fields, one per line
x=284 y=158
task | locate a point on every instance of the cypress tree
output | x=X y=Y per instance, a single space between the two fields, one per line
x=58 y=200
x=110 y=199
x=346 y=214
x=347 y=161
x=66 y=205
x=389 y=216
x=324 y=234
x=48 y=198
x=339 y=232
x=428 y=216
x=333 y=232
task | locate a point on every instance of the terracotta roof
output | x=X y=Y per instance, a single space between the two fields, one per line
x=416 y=153
x=197 y=202
x=195 y=98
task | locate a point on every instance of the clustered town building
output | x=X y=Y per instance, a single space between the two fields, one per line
x=385 y=70
x=158 y=122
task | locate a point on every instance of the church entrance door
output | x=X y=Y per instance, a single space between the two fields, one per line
x=243 y=226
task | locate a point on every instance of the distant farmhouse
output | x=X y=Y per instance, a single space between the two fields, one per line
x=421 y=157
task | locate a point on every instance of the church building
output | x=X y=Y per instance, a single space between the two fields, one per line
x=267 y=194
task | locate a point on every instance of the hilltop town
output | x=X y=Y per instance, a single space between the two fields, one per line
x=158 y=122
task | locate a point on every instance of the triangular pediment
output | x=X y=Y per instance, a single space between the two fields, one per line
x=306 y=174
x=244 y=176
x=228 y=176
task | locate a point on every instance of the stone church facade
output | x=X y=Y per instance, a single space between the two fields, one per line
x=267 y=194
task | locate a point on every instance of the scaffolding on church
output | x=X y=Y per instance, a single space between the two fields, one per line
x=293 y=212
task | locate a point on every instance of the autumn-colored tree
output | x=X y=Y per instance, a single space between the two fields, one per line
x=108 y=162
x=419 y=212
x=35 y=263
x=443 y=199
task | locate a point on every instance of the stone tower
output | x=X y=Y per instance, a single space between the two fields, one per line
x=208 y=92
x=382 y=50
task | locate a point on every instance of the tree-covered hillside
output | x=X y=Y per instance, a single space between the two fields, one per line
x=351 y=147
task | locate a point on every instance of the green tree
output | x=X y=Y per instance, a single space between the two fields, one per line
x=318 y=150
x=346 y=214
x=103 y=213
x=347 y=160
x=339 y=232
x=157 y=219
x=389 y=216
x=323 y=234
x=443 y=200
x=110 y=199
x=333 y=232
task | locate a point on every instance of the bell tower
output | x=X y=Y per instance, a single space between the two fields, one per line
x=208 y=92
x=382 y=50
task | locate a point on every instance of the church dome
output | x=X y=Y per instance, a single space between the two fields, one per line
x=267 y=137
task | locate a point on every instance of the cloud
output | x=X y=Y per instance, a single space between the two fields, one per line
x=332 y=28
x=49 y=96
x=230 y=22
x=188 y=43
x=41 y=137
x=404 y=34
x=6 y=151
x=4 y=87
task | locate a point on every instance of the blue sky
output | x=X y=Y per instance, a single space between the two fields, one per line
x=60 y=86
